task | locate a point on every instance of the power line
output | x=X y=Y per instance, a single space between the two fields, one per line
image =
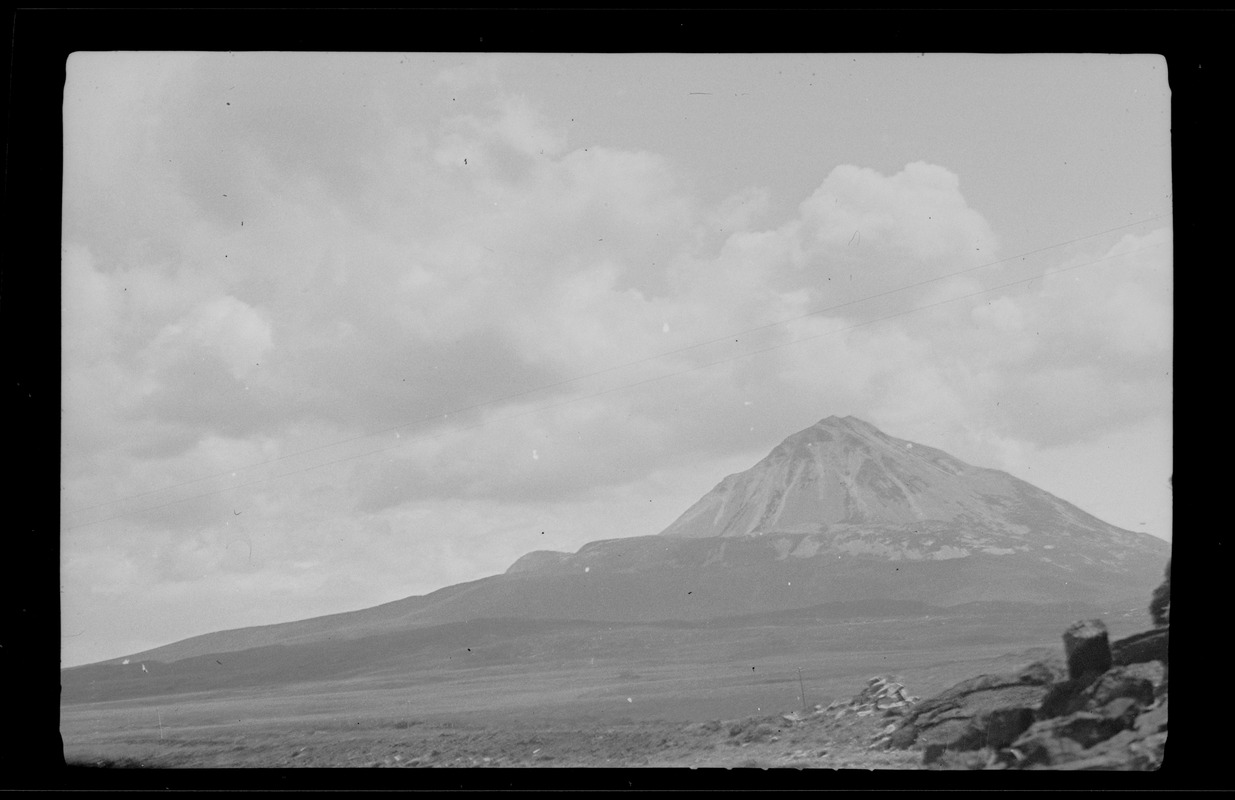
x=611 y=390
x=606 y=370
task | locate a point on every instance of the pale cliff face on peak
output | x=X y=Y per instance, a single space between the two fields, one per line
x=841 y=473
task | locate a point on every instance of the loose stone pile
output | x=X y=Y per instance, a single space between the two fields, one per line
x=880 y=694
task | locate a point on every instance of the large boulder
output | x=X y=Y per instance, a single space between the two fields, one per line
x=965 y=716
x=1121 y=735
x=1005 y=725
x=1138 y=681
x=1120 y=682
x=1063 y=697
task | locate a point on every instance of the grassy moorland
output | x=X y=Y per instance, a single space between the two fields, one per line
x=514 y=694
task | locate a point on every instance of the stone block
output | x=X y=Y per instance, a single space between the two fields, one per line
x=1087 y=649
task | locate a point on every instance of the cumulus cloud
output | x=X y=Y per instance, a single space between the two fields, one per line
x=917 y=214
x=225 y=327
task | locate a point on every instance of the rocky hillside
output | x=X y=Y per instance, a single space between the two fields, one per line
x=1102 y=706
x=1095 y=705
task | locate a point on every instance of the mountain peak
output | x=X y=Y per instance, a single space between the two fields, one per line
x=837 y=422
x=843 y=471
x=845 y=424
x=850 y=431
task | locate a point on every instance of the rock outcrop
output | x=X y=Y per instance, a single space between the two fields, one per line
x=1141 y=647
x=1103 y=707
x=988 y=708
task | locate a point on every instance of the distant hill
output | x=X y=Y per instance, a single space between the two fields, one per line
x=434 y=652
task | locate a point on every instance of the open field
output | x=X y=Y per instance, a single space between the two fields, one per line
x=578 y=695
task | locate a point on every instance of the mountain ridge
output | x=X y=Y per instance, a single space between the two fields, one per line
x=838 y=512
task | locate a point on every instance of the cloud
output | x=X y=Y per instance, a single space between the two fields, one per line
x=918 y=214
x=484 y=71
x=741 y=210
x=518 y=454
x=227 y=328
x=523 y=129
x=375 y=338
x=1122 y=302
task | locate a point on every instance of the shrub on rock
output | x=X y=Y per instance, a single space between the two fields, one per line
x=1160 y=605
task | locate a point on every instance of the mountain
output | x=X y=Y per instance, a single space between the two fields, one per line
x=847 y=472
x=837 y=513
x=843 y=489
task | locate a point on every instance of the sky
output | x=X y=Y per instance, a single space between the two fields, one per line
x=339 y=329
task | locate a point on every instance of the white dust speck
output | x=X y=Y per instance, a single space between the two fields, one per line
x=587 y=569
x=908 y=445
x=125 y=661
x=535 y=456
x=630 y=700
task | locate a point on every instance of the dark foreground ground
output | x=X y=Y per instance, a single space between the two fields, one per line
x=649 y=696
